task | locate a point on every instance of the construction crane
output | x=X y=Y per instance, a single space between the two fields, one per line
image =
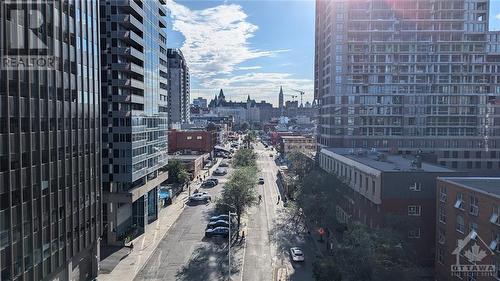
x=292 y=96
x=301 y=96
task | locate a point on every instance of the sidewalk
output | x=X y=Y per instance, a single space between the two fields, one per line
x=145 y=245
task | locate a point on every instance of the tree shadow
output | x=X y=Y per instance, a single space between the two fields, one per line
x=288 y=231
x=210 y=262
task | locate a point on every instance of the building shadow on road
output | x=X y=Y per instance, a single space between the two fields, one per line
x=210 y=262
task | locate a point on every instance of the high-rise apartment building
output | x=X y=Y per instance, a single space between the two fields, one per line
x=179 y=88
x=134 y=122
x=200 y=102
x=50 y=167
x=410 y=75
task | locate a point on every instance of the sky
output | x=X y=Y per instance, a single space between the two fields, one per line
x=249 y=47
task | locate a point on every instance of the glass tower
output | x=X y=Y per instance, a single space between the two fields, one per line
x=134 y=103
x=409 y=75
x=50 y=167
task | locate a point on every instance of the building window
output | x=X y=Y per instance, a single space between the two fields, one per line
x=440 y=255
x=495 y=218
x=474 y=206
x=442 y=214
x=441 y=236
x=414 y=233
x=199 y=137
x=414 y=210
x=189 y=137
x=459 y=204
x=442 y=194
x=473 y=230
x=416 y=186
x=460 y=224
x=495 y=239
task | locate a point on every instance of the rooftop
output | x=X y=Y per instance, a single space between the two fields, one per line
x=485 y=184
x=386 y=162
x=295 y=137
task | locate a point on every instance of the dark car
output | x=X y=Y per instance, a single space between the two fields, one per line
x=214 y=180
x=218 y=231
x=220 y=217
x=214 y=224
x=224 y=164
x=261 y=181
x=208 y=183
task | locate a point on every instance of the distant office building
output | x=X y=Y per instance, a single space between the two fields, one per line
x=468 y=209
x=384 y=190
x=134 y=102
x=200 y=102
x=50 y=151
x=297 y=143
x=410 y=75
x=179 y=87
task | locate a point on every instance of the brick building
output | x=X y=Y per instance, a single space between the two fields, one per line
x=191 y=141
x=386 y=191
x=467 y=209
x=297 y=143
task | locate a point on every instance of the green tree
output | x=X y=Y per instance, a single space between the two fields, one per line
x=176 y=172
x=300 y=164
x=245 y=157
x=239 y=192
x=324 y=269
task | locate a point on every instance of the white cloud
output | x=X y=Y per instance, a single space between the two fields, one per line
x=216 y=39
x=497 y=16
x=249 y=67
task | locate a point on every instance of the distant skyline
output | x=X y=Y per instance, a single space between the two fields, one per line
x=245 y=47
x=251 y=47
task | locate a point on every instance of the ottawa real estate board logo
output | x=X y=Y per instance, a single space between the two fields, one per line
x=472 y=259
x=25 y=33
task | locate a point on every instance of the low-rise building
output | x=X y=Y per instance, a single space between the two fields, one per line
x=191 y=141
x=387 y=190
x=193 y=163
x=468 y=209
x=297 y=143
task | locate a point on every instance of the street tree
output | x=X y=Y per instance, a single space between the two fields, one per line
x=239 y=192
x=176 y=172
x=300 y=164
x=245 y=157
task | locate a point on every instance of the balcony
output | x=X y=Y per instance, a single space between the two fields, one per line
x=129 y=67
x=129 y=21
x=132 y=7
x=130 y=82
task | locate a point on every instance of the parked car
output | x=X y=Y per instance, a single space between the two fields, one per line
x=261 y=180
x=218 y=231
x=271 y=155
x=214 y=180
x=224 y=164
x=220 y=172
x=200 y=196
x=296 y=254
x=208 y=183
x=220 y=217
x=214 y=224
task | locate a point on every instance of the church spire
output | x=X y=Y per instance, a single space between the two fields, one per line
x=281 y=101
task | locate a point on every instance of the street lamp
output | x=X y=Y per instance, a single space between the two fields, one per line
x=229 y=240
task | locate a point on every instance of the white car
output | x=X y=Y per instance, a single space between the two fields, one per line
x=296 y=254
x=200 y=196
x=220 y=172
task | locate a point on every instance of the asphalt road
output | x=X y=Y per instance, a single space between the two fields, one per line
x=184 y=253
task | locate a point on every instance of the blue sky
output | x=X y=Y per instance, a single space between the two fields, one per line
x=251 y=46
x=245 y=47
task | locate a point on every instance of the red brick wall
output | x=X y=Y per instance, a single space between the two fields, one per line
x=485 y=227
x=202 y=141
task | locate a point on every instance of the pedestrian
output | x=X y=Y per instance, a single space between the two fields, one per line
x=260 y=198
x=279 y=198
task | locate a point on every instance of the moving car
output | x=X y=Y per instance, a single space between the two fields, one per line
x=296 y=254
x=214 y=224
x=208 y=183
x=214 y=180
x=200 y=196
x=218 y=231
x=220 y=172
x=220 y=217
x=261 y=180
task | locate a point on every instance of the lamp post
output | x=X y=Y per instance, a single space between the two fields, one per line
x=229 y=240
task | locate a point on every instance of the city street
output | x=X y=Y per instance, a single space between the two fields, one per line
x=184 y=253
